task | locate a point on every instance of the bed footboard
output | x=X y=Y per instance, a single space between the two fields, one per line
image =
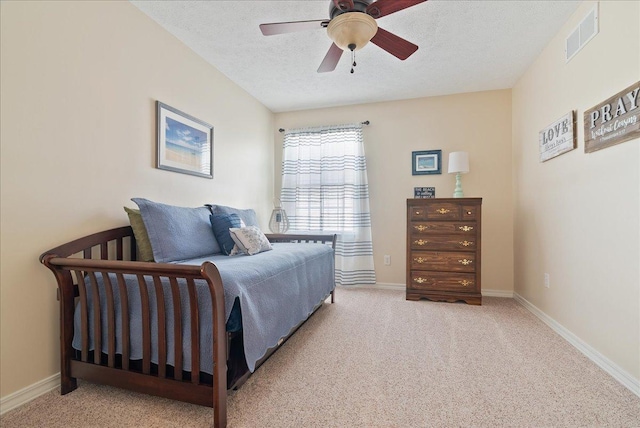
x=76 y=267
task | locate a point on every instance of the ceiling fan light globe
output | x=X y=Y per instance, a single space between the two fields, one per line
x=352 y=28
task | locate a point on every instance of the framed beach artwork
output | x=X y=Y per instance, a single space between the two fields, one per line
x=185 y=144
x=426 y=162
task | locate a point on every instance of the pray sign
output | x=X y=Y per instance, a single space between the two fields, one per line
x=614 y=121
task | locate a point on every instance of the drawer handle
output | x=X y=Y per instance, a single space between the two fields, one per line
x=465 y=228
x=465 y=243
x=465 y=283
x=465 y=262
x=420 y=260
x=420 y=242
x=420 y=280
x=469 y=213
x=421 y=228
x=443 y=211
x=418 y=212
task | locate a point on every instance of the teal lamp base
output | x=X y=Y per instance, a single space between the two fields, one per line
x=458 y=190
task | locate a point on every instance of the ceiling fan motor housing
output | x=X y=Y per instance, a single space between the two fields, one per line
x=358 y=6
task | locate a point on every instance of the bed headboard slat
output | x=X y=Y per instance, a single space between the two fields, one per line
x=84 y=316
x=177 y=328
x=146 y=325
x=162 y=336
x=195 y=332
x=126 y=339
x=111 y=320
x=97 y=329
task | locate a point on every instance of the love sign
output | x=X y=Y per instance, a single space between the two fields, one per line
x=558 y=138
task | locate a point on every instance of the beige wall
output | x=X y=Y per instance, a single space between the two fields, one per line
x=577 y=216
x=79 y=81
x=479 y=123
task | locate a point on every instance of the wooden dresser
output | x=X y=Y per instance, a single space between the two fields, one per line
x=443 y=249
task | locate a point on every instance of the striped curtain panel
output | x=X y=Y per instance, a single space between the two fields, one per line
x=324 y=189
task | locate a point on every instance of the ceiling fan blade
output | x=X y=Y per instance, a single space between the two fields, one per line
x=331 y=59
x=344 y=5
x=395 y=45
x=387 y=7
x=292 y=27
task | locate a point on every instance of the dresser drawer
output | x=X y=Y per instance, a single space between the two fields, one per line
x=443 y=261
x=442 y=281
x=470 y=212
x=442 y=242
x=443 y=211
x=444 y=227
x=418 y=213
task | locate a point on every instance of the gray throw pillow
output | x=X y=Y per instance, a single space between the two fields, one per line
x=177 y=233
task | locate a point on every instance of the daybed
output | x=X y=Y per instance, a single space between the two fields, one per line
x=233 y=312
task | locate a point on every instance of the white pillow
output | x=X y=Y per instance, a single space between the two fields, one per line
x=250 y=240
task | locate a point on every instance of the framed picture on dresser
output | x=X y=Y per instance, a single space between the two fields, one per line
x=424 y=192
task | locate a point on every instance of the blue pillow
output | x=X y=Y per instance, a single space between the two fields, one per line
x=248 y=216
x=221 y=223
x=177 y=233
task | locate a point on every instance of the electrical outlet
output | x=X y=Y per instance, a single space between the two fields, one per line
x=387 y=260
x=546 y=280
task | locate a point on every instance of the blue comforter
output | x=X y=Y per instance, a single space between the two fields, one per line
x=276 y=289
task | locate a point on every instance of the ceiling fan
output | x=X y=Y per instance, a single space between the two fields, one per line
x=352 y=25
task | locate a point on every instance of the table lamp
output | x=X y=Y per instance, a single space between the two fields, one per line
x=458 y=164
x=279 y=223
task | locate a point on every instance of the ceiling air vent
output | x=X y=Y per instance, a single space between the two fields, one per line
x=585 y=31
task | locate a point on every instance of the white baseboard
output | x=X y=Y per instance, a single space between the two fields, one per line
x=603 y=362
x=497 y=293
x=27 y=394
x=389 y=286
x=402 y=287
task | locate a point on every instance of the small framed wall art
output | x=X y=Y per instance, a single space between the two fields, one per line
x=426 y=162
x=424 y=192
x=184 y=143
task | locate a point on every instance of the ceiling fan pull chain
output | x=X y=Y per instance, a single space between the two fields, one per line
x=352 y=47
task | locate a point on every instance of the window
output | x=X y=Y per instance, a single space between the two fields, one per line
x=325 y=189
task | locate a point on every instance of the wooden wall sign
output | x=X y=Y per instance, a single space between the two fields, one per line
x=614 y=121
x=558 y=138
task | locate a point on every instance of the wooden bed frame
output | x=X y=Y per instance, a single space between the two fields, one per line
x=75 y=265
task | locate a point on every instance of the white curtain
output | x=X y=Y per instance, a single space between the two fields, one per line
x=325 y=189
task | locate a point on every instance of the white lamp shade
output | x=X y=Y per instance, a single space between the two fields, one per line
x=458 y=162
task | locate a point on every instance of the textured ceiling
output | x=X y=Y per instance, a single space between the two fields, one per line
x=465 y=46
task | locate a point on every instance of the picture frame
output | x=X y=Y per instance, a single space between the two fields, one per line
x=184 y=143
x=426 y=162
x=424 y=192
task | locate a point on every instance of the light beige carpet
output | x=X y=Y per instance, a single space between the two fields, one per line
x=373 y=359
